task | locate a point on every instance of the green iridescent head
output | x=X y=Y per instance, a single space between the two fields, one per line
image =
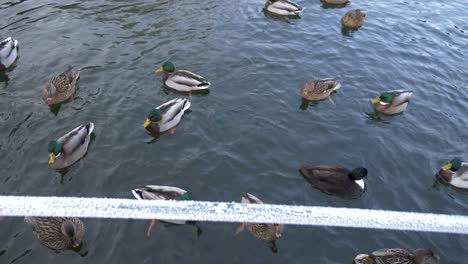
x=186 y=196
x=155 y=115
x=167 y=67
x=386 y=97
x=54 y=147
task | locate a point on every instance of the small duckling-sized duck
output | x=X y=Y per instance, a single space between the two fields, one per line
x=57 y=233
x=321 y=89
x=71 y=147
x=266 y=232
x=353 y=18
x=283 y=7
x=61 y=87
x=336 y=180
x=455 y=173
x=156 y=192
x=396 y=256
x=183 y=81
x=392 y=102
x=8 y=53
x=336 y=2
x=166 y=116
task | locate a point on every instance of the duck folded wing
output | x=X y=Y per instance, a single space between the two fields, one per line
x=401 y=97
x=463 y=172
x=74 y=139
x=172 y=108
x=188 y=78
x=8 y=52
x=287 y=6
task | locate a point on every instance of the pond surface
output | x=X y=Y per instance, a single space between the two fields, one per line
x=250 y=133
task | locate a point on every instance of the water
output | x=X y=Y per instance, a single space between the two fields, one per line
x=251 y=132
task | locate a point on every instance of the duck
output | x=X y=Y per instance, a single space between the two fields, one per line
x=337 y=2
x=157 y=192
x=335 y=180
x=266 y=232
x=166 y=116
x=57 y=233
x=283 y=7
x=61 y=87
x=8 y=53
x=71 y=147
x=354 y=18
x=392 y=102
x=315 y=90
x=395 y=256
x=455 y=173
x=181 y=80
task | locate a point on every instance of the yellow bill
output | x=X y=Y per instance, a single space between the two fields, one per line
x=147 y=123
x=376 y=100
x=51 y=158
x=160 y=69
x=447 y=167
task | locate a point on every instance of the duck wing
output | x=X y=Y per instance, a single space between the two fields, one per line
x=8 y=52
x=319 y=89
x=76 y=139
x=287 y=6
x=332 y=180
x=172 y=109
x=392 y=255
x=191 y=79
x=401 y=97
x=155 y=192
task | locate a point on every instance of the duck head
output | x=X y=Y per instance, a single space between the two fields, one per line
x=358 y=173
x=385 y=98
x=167 y=67
x=453 y=165
x=152 y=121
x=69 y=230
x=55 y=150
x=278 y=230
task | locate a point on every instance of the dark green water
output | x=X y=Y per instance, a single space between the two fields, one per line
x=249 y=133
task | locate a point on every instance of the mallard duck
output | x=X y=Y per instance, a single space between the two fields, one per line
x=57 y=233
x=183 y=81
x=61 y=87
x=392 y=102
x=336 y=180
x=336 y=2
x=396 y=256
x=315 y=90
x=166 y=116
x=283 y=7
x=8 y=53
x=71 y=147
x=266 y=232
x=156 y=192
x=455 y=173
x=353 y=18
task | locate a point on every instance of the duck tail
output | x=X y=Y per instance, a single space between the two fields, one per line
x=90 y=128
x=204 y=84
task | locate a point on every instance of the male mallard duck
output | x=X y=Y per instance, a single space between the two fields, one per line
x=336 y=180
x=71 y=147
x=266 y=232
x=166 y=116
x=396 y=256
x=283 y=7
x=8 y=53
x=315 y=90
x=353 y=18
x=455 y=173
x=183 y=81
x=392 y=102
x=337 y=2
x=156 y=192
x=57 y=233
x=61 y=87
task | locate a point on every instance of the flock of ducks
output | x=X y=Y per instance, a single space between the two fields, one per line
x=67 y=233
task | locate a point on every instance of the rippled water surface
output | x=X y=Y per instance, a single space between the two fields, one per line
x=251 y=132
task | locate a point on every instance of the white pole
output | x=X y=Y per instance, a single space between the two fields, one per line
x=230 y=212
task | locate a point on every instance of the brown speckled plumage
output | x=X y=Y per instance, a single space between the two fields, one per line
x=60 y=87
x=50 y=233
x=353 y=18
x=396 y=256
x=315 y=90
